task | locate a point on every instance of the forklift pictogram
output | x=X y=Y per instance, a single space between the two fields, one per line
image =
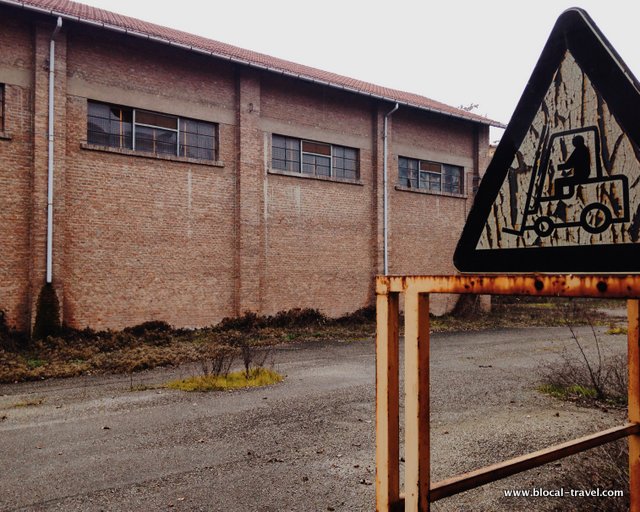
x=557 y=186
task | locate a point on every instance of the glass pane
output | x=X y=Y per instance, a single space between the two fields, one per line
x=315 y=164
x=293 y=166
x=279 y=153
x=197 y=139
x=308 y=164
x=108 y=125
x=338 y=167
x=434 y=182
x=453 y=178
x=323 y=167
x=166 y=142
x=278 y=142
x=285 y=153
x=155 y=140
x=408 y=172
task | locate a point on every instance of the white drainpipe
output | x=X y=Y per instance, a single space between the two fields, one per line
x=385 y=197
x=52 y=59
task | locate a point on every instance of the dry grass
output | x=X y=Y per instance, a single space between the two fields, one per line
x=257 y=377
x=592 y=379
x=33 y=402
x=154 y=344
x=606 y=468
x=518 y=312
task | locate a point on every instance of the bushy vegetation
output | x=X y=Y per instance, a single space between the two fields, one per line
x=519 y=311
x=604 y=467
x=246 y=339
x=73 y=352
x=587 y=373
x=591 y=378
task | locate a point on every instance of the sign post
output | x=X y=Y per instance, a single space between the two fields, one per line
x=561 y=195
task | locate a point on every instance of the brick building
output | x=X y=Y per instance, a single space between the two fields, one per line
x=193 y=180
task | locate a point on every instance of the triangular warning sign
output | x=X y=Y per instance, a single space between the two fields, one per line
x=562 y=192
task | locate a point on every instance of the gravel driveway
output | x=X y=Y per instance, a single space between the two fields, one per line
x=307 y=444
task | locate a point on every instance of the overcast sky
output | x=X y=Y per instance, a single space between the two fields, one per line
x=457 y=52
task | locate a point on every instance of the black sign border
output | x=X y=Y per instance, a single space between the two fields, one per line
x=576 y=32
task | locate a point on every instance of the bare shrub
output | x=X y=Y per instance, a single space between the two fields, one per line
x=586 y=374
x=217 y=359
x=296 y=317
x=591 y=377
x=606 y=468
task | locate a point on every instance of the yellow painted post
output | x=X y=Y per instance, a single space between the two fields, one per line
x=633 y=356
x=416 y=383
x=387 y=402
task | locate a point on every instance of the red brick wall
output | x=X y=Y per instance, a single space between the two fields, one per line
x=140 y=238
x=318 y=233
x=425 y=227
x=147 y=238
x=16 y=143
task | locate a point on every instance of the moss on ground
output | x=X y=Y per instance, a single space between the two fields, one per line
x=257 y=377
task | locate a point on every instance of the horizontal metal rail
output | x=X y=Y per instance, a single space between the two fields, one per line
x=565 y=285
x=488 y=474
x=419 y=492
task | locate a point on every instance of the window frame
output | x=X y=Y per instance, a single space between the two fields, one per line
x=430 y=176
x=182 y=149
x=335 y=172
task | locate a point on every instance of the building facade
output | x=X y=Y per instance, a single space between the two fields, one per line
x=189 y=181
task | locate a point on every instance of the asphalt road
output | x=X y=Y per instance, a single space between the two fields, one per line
x=306 y=444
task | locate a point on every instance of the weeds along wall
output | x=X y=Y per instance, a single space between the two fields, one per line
x=189 y=241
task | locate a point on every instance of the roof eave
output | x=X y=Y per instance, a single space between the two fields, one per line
x=245 y=62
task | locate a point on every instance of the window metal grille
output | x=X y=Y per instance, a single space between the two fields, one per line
x=142 y=130
x=314 y=158
x=426 y=175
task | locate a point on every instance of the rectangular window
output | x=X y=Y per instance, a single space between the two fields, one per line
x=108 y=125
x=314 y=158
x=141 y=130
x=433 y=176
x=285 y=154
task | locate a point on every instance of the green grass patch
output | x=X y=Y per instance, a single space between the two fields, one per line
x=258 y=377
x=35 y=363
x=617 y=330
x=568 y=392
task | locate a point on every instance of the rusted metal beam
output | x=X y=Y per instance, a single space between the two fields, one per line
x=387 y=402
x=418 y=491
x=633 y=357
x=416 y=401
x=488 y=474
x=566 y=285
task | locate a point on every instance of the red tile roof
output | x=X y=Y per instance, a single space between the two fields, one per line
x=85 y=14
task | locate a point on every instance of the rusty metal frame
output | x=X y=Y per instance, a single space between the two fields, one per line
x=419 y=491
